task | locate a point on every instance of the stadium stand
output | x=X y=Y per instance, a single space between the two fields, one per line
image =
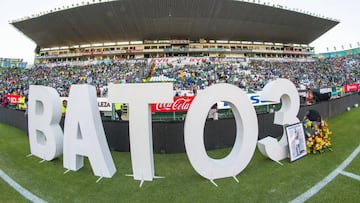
x=250 y=76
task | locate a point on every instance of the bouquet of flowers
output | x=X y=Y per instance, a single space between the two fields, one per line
x=317 y=136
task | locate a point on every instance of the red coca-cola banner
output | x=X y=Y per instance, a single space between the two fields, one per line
x=179 y=104
x=351 y=87
x=13 y=99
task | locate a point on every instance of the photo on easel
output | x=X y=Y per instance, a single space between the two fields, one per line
x=296 y=139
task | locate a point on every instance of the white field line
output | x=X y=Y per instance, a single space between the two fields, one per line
x=315 y=189
x=302 y=198
x=24 y=192
x=351 y=175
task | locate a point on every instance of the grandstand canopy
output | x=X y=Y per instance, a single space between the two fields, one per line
x=133 y=20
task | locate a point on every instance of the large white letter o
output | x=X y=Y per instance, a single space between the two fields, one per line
x=246 y=132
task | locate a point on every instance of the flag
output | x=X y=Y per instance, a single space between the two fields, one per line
x=151 y=72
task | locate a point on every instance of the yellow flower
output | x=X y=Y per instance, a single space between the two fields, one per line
x=318 y=136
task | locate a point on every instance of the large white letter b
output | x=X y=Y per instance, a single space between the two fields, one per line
x=45 y=134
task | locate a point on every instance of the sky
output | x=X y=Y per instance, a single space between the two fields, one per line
x=14 y=44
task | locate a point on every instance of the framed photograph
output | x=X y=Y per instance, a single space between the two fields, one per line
x=296 y=139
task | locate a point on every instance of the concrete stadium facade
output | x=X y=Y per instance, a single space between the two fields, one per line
x=166 y=28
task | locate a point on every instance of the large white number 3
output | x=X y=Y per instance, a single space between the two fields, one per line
x=274 y=91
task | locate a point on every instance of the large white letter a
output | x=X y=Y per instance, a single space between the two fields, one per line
x=84 y=133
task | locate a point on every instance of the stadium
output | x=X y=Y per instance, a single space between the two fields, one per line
x=195 y=45
x=150 y=29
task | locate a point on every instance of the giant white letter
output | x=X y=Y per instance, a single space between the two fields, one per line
x=139 y=97
x=246 y=132
x=274 y=91
x=44 y=114
x=84 y=133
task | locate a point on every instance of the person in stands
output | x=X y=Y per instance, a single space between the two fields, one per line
x=4 y=101
x=309 y=97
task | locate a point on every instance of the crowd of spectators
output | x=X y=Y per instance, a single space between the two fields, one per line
x=250 y=76
x=16 y=81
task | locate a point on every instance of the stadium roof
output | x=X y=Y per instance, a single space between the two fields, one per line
x=134 y=20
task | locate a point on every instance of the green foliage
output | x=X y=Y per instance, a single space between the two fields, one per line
x=261 y=181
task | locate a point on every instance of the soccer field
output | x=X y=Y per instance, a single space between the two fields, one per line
x=261 y=181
